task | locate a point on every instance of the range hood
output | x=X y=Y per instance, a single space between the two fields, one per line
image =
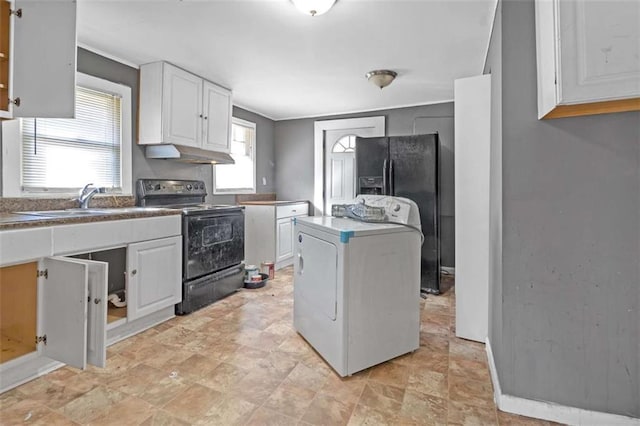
x=187 y=154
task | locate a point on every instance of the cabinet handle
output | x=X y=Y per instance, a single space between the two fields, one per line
x=200 y=115
x=206 y=118
x=17 y=13
x=135 y=271
x=15 y=101
x=97 y=301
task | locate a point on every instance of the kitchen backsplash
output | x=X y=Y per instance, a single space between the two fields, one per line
x=8 y=205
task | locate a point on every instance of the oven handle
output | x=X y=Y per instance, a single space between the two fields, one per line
x=200 y=218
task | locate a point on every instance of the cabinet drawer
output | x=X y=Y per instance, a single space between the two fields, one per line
x=22 y=245
x=300 y=209
x=81 y=237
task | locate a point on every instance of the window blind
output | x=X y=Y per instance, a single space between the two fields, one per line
x=62 y=155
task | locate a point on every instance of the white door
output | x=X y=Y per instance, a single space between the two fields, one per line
x=154 y=278
x=44 y=59
x=217 y=118
x=334 y=159
x=340 y=164
x=182 y=107
x=64 y=310
x=472 y=187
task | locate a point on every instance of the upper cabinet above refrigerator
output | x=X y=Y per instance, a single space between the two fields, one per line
x=587 y=57
x=37 y=59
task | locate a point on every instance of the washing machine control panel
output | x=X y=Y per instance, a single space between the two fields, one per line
x=397 y=209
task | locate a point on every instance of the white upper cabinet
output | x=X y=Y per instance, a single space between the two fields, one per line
x=182 y=108
x=177 y=107
x=217 y=118
x=37 y=59
x=587 y=57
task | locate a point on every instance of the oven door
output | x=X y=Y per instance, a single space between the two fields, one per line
x=212 y=242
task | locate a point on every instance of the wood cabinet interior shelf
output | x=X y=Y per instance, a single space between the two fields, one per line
x=18 y=306
x=115 y=314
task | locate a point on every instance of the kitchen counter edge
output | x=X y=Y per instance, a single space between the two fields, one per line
x=272 y=203
x=30 y=222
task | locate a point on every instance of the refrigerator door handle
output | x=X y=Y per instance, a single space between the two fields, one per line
x=392 y=179
x=385 y=165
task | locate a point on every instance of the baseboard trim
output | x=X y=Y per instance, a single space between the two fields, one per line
x=448 y=269
x=549 y=411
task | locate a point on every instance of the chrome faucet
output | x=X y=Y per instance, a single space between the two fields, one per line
x=86 y=194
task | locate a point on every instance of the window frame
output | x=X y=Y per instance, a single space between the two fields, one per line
x=12 y=145
x=234 y=191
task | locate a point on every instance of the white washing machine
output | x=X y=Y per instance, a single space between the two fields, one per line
x=357 y=290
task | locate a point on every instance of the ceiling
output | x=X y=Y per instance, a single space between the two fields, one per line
x=283 y=64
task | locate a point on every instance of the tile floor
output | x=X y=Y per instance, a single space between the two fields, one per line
x=239 y=361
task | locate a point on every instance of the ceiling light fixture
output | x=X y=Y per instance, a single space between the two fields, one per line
x=313 y=7
x=381 y=78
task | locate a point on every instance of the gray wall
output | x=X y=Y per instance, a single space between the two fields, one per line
x=493 y=66
x=99 y=66
x=570 y=325
x=294 y=157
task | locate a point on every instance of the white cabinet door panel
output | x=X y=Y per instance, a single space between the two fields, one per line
x=217 y=118
x=97 y=313
x=64 y=310
x=316 y=271
x=182 y=108
x=599 y=50
x=44 y=59
x=154 y=276
x=284 y=239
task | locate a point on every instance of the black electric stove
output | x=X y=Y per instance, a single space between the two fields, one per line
x=212 y=240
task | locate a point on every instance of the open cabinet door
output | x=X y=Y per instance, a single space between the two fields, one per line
x=97 y=313
x=64 y=310
x=44 y=59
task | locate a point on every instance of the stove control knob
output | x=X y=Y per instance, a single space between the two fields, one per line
x=202 y=186
x=157 y=187
x=149 y=187
x=189 y=187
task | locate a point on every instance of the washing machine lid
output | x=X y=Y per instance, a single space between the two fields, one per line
x=350 y=227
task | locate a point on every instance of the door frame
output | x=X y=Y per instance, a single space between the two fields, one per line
x=319 y=129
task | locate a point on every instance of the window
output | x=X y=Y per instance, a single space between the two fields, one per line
x=238 y=178
x=60 y=156
x=345 y=144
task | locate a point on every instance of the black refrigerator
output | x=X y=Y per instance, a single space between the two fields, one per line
x=406 y=166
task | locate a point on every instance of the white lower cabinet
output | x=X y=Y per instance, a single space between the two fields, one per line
x=55 y=309
x=284 y=240
x=269 y=232
x=154 y=276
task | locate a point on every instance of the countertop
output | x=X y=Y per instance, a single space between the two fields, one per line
x=271 y=203
x=19 y=220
